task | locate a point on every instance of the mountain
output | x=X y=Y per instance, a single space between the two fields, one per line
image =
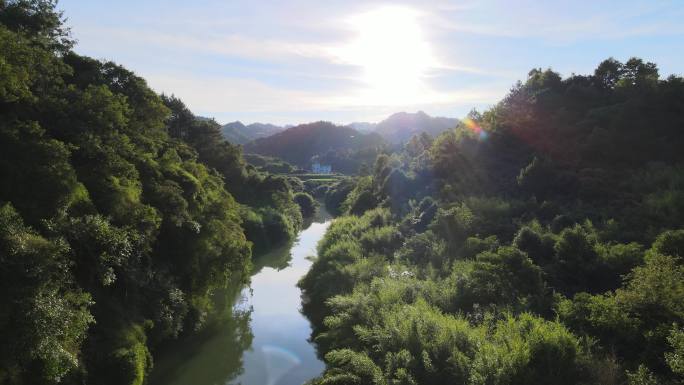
x=400 y=127
x=396 y=129
x=299 y=144
x=363 y=126
x=237 y=133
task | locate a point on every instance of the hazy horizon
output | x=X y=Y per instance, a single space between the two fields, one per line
x=361 y=61
x=292 y=124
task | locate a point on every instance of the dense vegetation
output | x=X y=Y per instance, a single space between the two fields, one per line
x=346 y=149
x=120 y=211
x=348 y=161
x=540 y=242
x=342 y=147
x=271 y=165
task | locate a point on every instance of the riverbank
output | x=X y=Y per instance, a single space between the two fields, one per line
x=260 y=336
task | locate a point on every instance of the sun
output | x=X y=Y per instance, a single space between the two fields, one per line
x=392 y=52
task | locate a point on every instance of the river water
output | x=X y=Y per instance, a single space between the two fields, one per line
x=260 y=337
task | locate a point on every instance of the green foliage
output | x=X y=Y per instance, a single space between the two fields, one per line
x=307 y=204
x=543 y=203
x=336 y=194
x=675 y=358
x=269 y=164
x=505 y=277
x=361 y=198
x=642 y=376
x=126 y=360
x=342 y=147
x=340 y=263
x=538 y=245
x=45 y=182
x=418 y=344
x=422 y=250
x=351 y=368
x=453 y=225
x=528 y=350
x=38 y=19
x=44 y=315
x=541 y=179
x=576 y=259
x=120 y=211
x=669 y=243
x=636 y=319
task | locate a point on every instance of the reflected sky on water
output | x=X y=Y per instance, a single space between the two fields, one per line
x=260 y=340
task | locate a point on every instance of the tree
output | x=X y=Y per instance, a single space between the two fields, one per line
x=306 y=203
x=117 y=213
x=44 y=315
x=608 y=73
x=39 y=19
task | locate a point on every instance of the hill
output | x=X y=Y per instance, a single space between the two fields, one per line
x=363 y=126
x=238 y=133
x=299 y=144
x=551 y=219
x=400 y=127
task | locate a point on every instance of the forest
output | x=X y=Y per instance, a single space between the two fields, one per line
x=120 y=211
x=344 y=148
x=539 y=242
x=347 y=149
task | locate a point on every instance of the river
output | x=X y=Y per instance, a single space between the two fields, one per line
x=259 y=337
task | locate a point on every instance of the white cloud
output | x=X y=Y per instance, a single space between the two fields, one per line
x=230 y=98
x=216 y=94
x=232 y=44
x=563 y=22
x=283 y=60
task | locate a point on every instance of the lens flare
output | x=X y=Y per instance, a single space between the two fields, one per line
x=279 y=361
x=475 y=128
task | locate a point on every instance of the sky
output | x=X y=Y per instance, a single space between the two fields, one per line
x=295 y=61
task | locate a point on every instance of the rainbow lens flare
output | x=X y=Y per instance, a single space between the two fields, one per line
x=475 y=128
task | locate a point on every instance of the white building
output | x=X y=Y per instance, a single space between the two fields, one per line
x=318 y=168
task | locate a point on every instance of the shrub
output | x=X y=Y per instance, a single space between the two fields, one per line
x=307 y=204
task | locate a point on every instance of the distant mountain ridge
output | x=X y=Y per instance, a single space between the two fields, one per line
x=400 y=127
x=363 y=126
x=299 y=144
x=238 y=133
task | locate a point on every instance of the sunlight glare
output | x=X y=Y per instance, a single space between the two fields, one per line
x=392 y=52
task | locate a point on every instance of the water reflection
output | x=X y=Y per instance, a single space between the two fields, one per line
x=261 y=337
x=213 y=356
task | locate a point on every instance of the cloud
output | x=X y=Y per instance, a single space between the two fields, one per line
x=231 y=44
x=341 y=83
x=231 y=98
x=233 y=94
x=217 y=94
x=563 y=22
x=290 y=61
